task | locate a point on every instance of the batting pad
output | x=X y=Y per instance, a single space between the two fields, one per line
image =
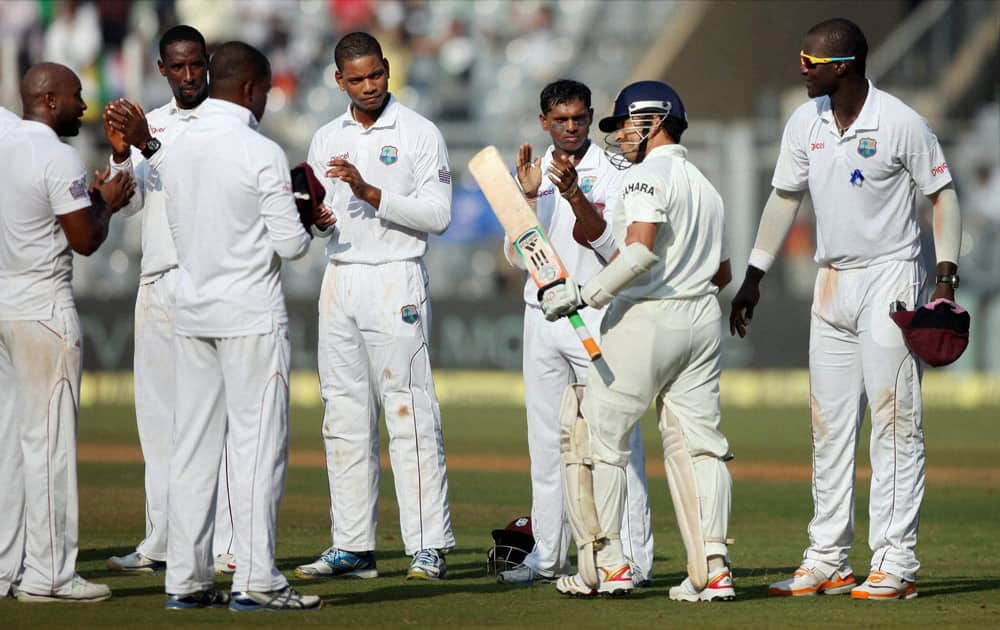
x=684 y=494
x=578 y=485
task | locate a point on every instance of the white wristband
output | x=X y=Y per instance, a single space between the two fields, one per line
x=760 y=259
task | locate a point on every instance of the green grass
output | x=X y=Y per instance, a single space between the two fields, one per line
x=959 y=583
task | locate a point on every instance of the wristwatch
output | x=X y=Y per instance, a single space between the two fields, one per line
x=951 y=278
x=152 y=146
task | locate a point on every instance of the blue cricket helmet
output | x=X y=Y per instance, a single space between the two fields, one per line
x=644 y=97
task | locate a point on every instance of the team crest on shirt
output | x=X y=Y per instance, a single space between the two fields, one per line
x=587 y=184
x=79 y=188
x=388 y=155
x=866 y=147
x=410 y=314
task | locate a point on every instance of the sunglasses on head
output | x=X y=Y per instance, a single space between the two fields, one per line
x=811 y=61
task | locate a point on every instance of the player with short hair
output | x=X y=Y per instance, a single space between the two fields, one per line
x=580 y=182
x=137 y=141
x=389 y=184
x=46 y=213
x=864 y=156
x=660 y=341
x=232 y=216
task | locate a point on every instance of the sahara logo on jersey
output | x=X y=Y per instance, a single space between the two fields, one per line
x=410 y=314
x=866 y=147
x=388 y=155
x=639 y=187
x=587 y=184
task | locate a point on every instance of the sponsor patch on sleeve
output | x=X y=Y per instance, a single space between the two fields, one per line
x=638 y=188
x=79 y=188
x=444 y=175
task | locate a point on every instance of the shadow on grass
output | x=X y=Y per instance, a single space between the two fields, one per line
x=951 y=586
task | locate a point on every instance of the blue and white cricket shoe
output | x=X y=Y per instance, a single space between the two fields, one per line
x=337 y=563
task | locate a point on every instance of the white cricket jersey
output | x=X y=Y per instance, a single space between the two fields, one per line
x=158 y=252
x=600 y=181
x=863 y=184
x=231 y=213
x=403 y=154
x=40 y=179
x=667 y=189
x=8 y=120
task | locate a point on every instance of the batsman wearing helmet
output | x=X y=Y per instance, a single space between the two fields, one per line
x=579 y=183
x=864 y=156
x=660 y=339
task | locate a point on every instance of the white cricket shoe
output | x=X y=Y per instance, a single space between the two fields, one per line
x=882 y=586
x=78 y=591
x=522 y=575
x=614 y=582
x=808 y=581
x=719 y=589
x=284 y=599
x=427 y=564
x=135 y=562
x=225 y=564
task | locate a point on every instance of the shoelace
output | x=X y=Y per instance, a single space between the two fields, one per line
x=427 y=556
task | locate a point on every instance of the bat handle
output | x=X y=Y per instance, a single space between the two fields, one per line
x=588 y=340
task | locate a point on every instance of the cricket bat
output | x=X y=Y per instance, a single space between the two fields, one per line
x=525 y=233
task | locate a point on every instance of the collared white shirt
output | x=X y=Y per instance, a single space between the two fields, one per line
x=232 y=215
x=667 y=189
x=403 y=154
x=863 y=184
x=158 y=252
x=600 y=182
x=40 y=179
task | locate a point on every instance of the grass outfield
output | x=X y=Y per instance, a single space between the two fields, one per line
x=959 y=584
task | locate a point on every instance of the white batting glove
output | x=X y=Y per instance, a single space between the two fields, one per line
x=560 y=300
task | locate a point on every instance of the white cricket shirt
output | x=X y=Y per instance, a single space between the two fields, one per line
x=158 y=252
x=667 y=189
x=231 y=213
x=600 y=181
x=863 y=184
x=8 y=120
x=404 y=155
x=40 y=179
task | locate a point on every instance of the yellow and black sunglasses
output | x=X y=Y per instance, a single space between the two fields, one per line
x=811 y=61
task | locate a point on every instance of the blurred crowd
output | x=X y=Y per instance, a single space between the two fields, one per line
x=475 y=68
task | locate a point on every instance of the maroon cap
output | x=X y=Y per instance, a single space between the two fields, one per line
x=308 y=190
x=937 y=332
x=520 y=526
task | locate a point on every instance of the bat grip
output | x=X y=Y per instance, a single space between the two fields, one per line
x=584 y=334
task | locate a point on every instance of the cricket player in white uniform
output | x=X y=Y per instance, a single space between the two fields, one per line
x=389 y=185
x=864 y=156
x=660 y=341
x=46 y=213
x=579 y=186
x=233 y=218
x=134 y=137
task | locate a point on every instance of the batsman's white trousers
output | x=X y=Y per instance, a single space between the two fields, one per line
x=153 y=378
x=857 y=358
x=664 y=350
x=374 y=323
x=232 y=394
x=39 y=399
x=553 y=359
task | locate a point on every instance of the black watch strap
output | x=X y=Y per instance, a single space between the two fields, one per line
x=152 y=146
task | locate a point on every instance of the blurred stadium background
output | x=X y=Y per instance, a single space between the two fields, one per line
x=476 y=67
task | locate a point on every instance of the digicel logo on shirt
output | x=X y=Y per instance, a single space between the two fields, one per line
x=818 y=146
x=940 y=168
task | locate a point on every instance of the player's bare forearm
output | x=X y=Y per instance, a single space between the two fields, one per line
x=587 y=216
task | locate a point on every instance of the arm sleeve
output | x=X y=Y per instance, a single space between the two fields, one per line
x=428 y=209
x=66 y=182
x=791 y=172
x=277 y=205
x=645 y=199
x=605 y=245
x=922 y=156
x=775 y=222
x=947 y=225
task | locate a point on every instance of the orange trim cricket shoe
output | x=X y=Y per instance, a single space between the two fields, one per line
x=719 y=589
x=807 y=581
x=882 y=586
